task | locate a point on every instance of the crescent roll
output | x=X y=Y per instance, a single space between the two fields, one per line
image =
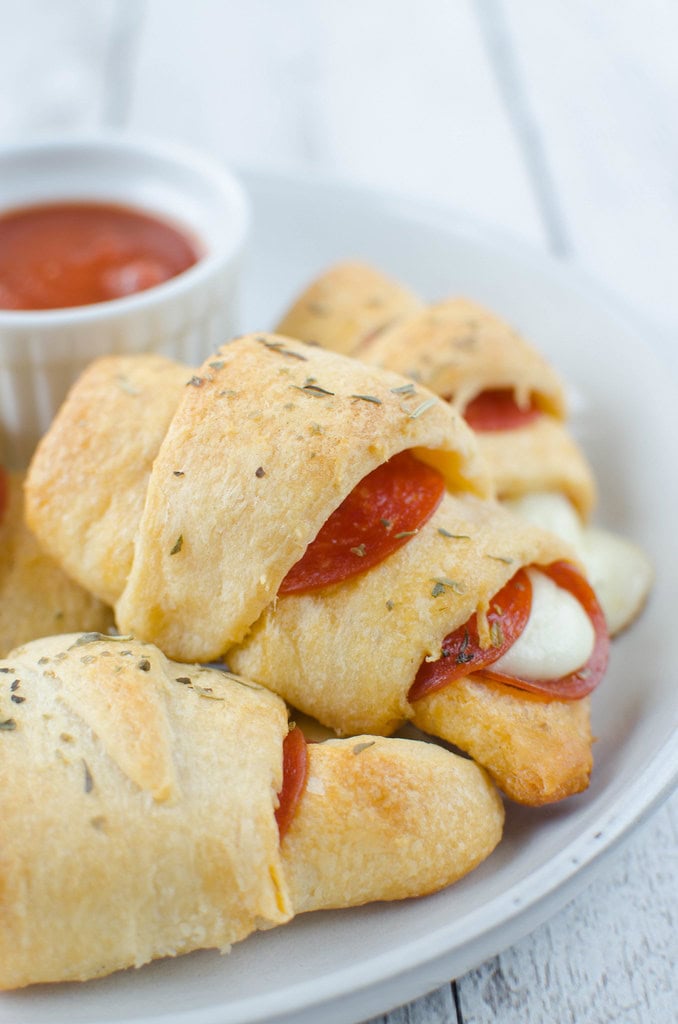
x=348 y=655
x=347 y=306
x=189 y=526
x=36 y=597
x=240 y=487
x=139 y=812
x=459 y=350
x=463 y=352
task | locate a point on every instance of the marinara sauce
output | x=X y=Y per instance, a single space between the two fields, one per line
x=66 y=254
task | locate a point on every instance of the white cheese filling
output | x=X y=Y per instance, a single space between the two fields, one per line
x=558 y=638
x=618 y=570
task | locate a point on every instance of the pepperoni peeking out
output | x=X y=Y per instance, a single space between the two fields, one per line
x=498 y=410
x=380 y=514
x=583 y=680
x=295 y=766
x=462 y=654
x=507 y=618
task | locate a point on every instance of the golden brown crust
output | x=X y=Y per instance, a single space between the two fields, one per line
x=348 y=654
x=138 y=812
x=459 y=349
x=384 y=820
x=36 y=597
x=539 y=457
x=269 y=432
x=346 y=305
x=537 y=751
x=126 y=779
x=87 y=481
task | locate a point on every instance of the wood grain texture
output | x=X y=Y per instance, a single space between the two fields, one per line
x=611 y=955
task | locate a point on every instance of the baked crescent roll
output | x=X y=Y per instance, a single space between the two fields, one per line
x=348 y=655
x=139 y=812
x=460 y=351
x=236 y=495
x=347 y=306
x=184 y=500
x=36 y=597
x=474 y=359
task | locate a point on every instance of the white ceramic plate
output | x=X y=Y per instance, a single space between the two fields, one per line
x=346 y=966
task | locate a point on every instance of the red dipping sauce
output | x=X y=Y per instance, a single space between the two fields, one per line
x=77 y=253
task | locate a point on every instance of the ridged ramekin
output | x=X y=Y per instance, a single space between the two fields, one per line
x=43 y=351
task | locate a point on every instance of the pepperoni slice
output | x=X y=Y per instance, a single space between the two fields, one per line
x=508 y=615
x=462 y=654
x=498 y=410
x=295 y=765
x=584 y=680
x=380 y=514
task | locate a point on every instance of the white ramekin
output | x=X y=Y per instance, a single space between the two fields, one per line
x=187 y=317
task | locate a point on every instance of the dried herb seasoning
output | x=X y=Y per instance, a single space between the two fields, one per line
x=442 y=583
x=313 y=389
x=369 y=398
x=359 y=747
x=178 y=544
x=421 y=409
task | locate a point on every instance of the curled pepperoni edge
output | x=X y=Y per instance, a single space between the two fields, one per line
x=462 y=654
x=582 y=681
x=328 y=560
x=295 y=773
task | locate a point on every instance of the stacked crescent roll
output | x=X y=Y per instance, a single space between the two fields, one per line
x=505 y=389
x=332 y=530
x=139 y=812
x=185 y=500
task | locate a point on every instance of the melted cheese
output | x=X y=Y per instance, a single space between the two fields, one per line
x=618 y=570
x=558 y=637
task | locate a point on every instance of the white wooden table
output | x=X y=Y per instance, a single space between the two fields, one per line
x=555 y=121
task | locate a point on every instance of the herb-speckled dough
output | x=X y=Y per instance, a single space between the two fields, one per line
x=121 y=785
x=224 y=495
x=458 y=349
x=346 y=306
x=138 y=812
x=348 y=654
x=267 y=439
